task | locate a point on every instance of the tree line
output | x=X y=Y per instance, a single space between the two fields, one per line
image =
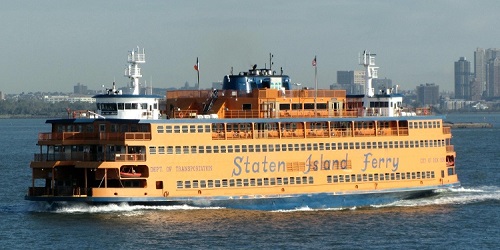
x=34 y=108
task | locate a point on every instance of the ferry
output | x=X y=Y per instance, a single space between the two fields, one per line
x=256 y=143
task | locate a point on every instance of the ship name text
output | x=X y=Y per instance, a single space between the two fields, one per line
x=380 y=162
x=242 y=163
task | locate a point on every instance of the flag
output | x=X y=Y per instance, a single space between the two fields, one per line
x=197 y=65
x=314 y=62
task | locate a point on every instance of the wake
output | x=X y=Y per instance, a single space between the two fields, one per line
x=83 y=208
x=453 y=196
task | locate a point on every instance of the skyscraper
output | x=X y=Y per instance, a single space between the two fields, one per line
x=428 y=94
x=462 y=79
x=479 y=84
x=352 y=81
x=494 y=78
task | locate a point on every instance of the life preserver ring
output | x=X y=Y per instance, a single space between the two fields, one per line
x=426 y=112
x=180 y=115
x=165 y=194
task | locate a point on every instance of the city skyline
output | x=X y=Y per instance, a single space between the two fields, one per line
x=52 y=45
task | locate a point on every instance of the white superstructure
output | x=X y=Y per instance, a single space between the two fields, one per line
x=384 y=103
x=116 y=105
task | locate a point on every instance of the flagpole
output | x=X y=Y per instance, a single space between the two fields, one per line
x=198 y=71
x=315 y=85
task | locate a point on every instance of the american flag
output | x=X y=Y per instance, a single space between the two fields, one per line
x=314 y=62
x=197 y=65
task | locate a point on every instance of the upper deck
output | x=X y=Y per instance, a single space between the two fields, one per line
x=272 y=103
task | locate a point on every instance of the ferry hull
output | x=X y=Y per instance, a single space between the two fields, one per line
x=266 y=203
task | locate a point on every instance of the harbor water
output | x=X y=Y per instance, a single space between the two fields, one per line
x=461 y=218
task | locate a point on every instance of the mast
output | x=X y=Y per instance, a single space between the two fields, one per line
x=368 y=61
x=135 y=57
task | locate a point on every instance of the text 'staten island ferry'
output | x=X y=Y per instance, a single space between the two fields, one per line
x=254 y=144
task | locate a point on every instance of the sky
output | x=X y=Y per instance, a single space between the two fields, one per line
x=53 y=45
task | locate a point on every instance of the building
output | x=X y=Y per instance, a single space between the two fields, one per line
x=484 y=73
x=462 y=79
x=479 y=82
x=352 y=81
x=71 y=99
x=80 y=89
x=381 y=84
x=428 y=94
x=476 y=89
x=493 y=86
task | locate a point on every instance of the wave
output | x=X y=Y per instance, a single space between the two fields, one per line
x=79 y=208
x=452 y=196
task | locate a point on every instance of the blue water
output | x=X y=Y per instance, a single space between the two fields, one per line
x=466 y=217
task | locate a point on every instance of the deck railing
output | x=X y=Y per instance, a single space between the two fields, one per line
x=308 y=133
x=86 y=136
x=81 y=156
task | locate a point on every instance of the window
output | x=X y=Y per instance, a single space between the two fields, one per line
x=152 y=150
x=160 y=129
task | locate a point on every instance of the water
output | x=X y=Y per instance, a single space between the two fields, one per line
x=466 y=217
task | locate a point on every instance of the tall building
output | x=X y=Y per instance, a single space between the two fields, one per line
x=493 y=78
x=80 y=89
x=462 y=79
x=479 y=73
x=476 y=89
x=428 y=94
x=484 y=75
x=352 y=81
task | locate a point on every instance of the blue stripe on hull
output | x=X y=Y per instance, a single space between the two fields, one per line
x=313 y=201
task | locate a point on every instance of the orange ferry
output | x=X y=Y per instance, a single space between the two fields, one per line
x=254 y=144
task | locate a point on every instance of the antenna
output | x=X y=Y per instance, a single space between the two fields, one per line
x=135 y=57
x=368 y=61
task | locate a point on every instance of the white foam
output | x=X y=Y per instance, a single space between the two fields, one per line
x=123 y=207
x=452 y=196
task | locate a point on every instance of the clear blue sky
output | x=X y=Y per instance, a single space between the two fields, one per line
x=52 y=45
